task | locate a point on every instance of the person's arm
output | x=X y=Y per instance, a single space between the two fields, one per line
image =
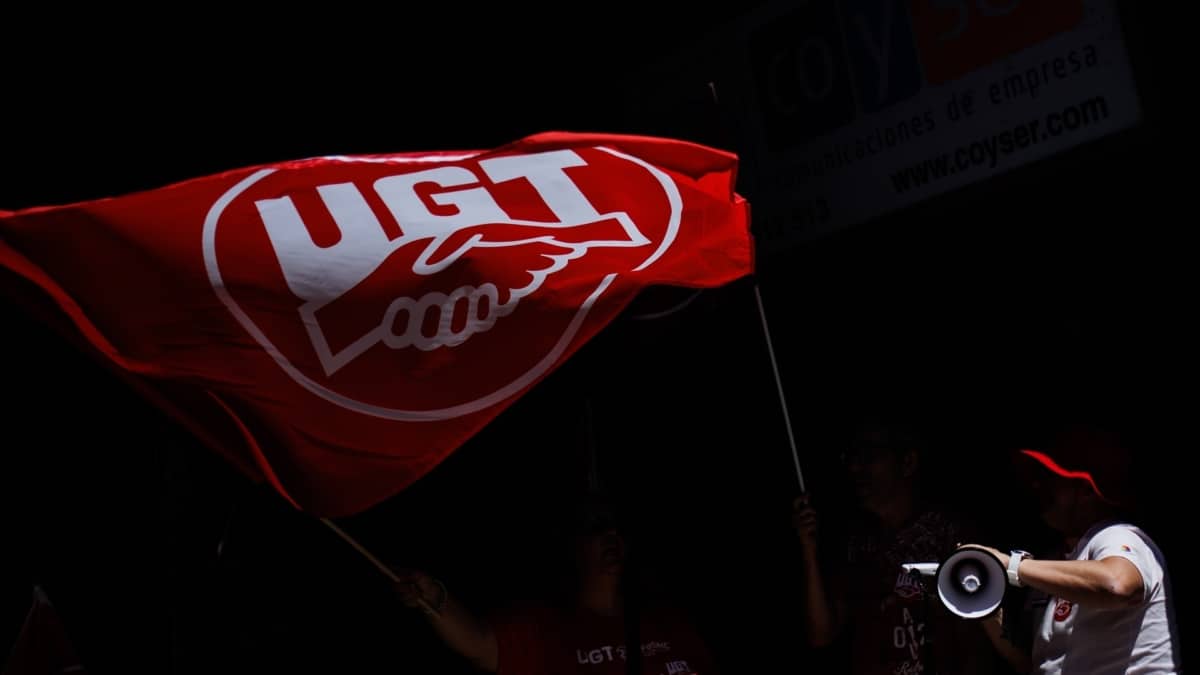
x=1019 y=659
x=1108 y=583
x=824 y=610
x=961 y=646
x=457 y=626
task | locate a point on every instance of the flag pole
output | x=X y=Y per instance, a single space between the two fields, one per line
x=762 y=314
x=787 y=419
x=387 y=571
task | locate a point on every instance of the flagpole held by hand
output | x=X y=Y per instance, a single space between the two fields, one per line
x=375 y=561
x=787 y=420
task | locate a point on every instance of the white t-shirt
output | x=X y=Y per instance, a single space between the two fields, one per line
x=1074 y=639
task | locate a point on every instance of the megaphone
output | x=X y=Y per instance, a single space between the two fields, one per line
x=970 y=582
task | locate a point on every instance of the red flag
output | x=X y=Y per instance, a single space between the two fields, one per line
x=338 y=325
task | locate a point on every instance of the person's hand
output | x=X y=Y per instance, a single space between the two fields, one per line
x=804 y=520
x=419 y=590
x=1000 y=555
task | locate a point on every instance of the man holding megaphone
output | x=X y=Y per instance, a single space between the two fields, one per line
x=1109 y=608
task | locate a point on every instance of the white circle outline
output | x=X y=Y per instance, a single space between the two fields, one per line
x=209 y=237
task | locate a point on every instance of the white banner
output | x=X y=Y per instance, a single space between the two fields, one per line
x=848 y=110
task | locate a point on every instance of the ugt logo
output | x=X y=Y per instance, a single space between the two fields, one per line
x=424 y=288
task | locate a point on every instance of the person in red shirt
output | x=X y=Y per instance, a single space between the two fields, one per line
x=589 y=634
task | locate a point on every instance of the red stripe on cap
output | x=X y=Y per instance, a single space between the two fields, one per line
x=1048 y=462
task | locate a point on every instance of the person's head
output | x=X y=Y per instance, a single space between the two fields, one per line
x=883 y=462
x=1080 y=477
x=599 y=545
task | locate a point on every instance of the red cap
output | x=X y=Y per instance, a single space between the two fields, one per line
x=1092 y=455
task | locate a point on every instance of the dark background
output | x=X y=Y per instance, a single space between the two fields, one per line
x=986 y=314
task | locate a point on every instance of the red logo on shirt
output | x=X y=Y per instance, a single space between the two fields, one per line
x=1062 y=610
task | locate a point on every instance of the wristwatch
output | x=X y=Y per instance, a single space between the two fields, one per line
x=1014 y=562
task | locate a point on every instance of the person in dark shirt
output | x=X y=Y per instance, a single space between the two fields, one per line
x=856 y=589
